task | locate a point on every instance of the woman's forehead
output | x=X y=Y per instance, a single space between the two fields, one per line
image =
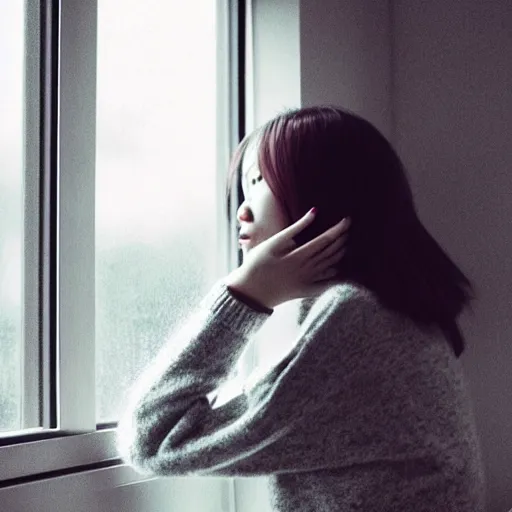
x=249 y=160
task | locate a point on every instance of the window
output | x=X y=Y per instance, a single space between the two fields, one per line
x=121 y=118
x=18 y=161
x=11 y=218
x=155 y=181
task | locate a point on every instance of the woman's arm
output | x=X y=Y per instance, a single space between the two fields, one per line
x=170 y=427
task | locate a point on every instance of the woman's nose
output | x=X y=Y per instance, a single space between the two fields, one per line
x=244 y=214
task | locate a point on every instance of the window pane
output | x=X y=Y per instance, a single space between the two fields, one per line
x=156 y=198
x=11 y=211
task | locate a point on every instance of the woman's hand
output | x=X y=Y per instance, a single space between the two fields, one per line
x=276 y=271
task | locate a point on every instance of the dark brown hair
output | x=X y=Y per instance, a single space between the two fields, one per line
x=331 y=158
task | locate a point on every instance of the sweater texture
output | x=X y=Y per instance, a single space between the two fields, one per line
x=365 y=411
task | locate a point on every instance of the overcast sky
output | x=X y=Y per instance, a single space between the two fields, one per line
x=156 y=115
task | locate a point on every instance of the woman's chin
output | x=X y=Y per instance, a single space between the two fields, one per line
x=247 y=245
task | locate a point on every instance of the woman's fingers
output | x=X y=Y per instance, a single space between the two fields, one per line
x=330 y=250
x=319 y=244
x=334 y=248
x=331 y=261
x=285 y=237
x=340 y=228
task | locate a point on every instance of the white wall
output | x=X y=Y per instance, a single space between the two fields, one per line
x=276 y=65
x=345 y=57
x=453 y=125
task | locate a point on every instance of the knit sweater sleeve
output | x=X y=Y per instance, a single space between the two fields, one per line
x=170 y=428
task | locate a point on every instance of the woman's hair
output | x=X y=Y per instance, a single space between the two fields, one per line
x=331 y=158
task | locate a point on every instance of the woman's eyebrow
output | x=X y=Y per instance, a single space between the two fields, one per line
x=244 y=174
x=249 y=170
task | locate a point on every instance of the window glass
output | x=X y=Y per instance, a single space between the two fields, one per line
x=156 y=199
x=11 y=211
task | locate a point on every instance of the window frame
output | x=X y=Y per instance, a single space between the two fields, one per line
x=30 y=352
x=60 y=176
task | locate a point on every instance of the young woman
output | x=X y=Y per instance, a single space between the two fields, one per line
x=369 y=410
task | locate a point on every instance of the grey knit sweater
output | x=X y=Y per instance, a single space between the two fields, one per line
x=366 y=412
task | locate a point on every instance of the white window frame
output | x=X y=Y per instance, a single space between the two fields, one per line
x=76 y=442
x=30 y=327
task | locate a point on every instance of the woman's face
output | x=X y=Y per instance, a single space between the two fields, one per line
x=259 y=215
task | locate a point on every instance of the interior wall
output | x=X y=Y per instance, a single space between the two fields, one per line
x=276 y=60
x=345 y=51
x=452 y=94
